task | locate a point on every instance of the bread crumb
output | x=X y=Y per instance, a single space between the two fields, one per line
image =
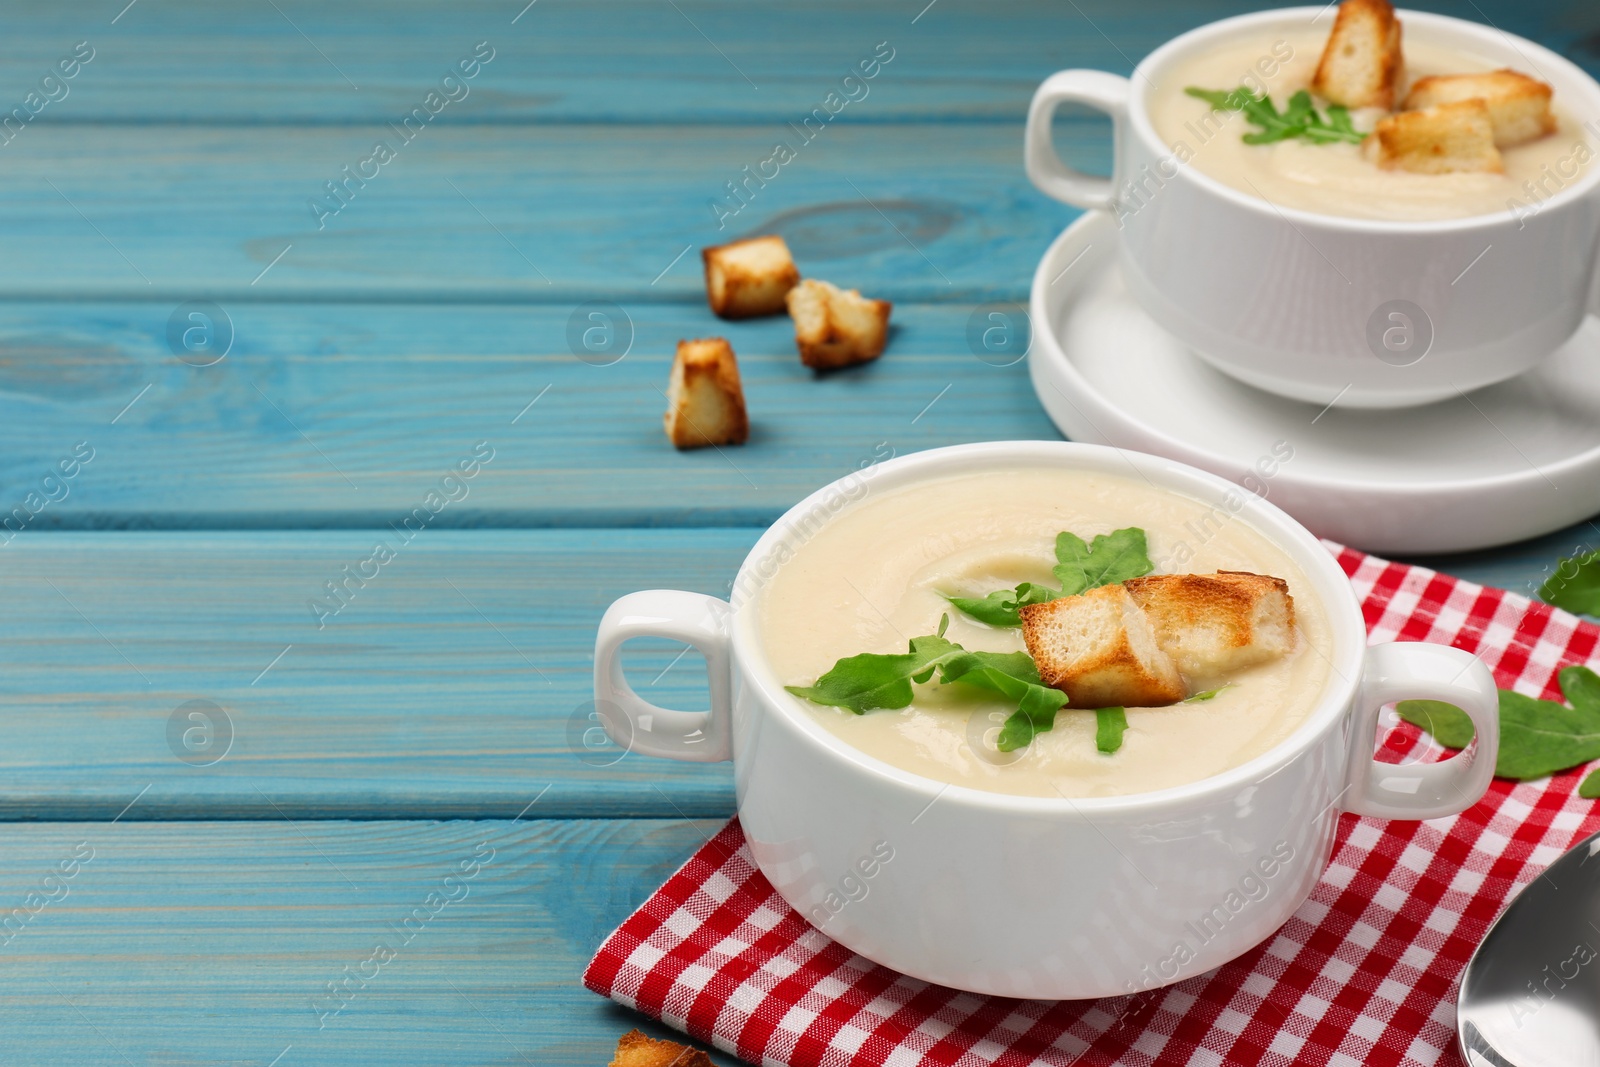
x=1214 y=624
x=834 y=327
x=750 y=277
x=705 y=400
x=1519 y=106
x=635 y=1049
x=1446 y=139
x=1099 y=649
x=1362 y=62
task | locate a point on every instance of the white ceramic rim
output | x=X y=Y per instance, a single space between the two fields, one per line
x=1494 y=40
x=1321 y=569
x=1045 y=306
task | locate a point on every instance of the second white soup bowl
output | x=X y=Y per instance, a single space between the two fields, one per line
x=1321 y=308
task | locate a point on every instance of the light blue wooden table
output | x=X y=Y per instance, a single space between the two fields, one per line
x=439 y=715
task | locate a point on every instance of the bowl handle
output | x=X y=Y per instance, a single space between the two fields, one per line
x=1412 y=670
x=633 y=722
x=1099 y=90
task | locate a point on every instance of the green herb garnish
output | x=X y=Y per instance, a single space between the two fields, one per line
x=1298 y=120
x=1447 y=723
x=1537 y=737
x=999 y=608
x=1108 y=559
x=1575 y=586
x=1208 y=694
x=1080 y=566
x=875 y=680
x=1014 y=676
x=1109 y=726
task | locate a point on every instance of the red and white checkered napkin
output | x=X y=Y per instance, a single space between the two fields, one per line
x=1363 y=973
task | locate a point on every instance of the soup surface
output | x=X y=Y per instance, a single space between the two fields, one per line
x=878 y=574
x=1336 y=179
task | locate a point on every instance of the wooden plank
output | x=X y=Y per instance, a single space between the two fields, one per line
x=455 y=682
x=554 y=214
x=302 y=62
x=216 y=942
x=339 y=415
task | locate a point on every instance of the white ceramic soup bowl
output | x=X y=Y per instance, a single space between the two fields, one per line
x=1026 y=896
x=1365 y=313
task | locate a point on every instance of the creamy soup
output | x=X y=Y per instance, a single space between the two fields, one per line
x=1336 y=179
x=878 y=574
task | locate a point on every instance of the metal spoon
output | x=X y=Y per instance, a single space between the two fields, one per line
x=1530 y=996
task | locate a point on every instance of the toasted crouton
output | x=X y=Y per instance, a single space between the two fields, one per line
x=1519 y=106
x=750 y=277
x=705 y=402
x=1213 y=624
x=835 y=327
x=635 y=1049
x=1437 y=140
x=1362 y=62
x=1099 y=649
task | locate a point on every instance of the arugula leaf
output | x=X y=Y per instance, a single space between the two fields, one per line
x=1208 y=694
x=1222 y=99
x=877 y=680
x=997 y=671
x=1014 y=676
x=1339 y=120
x=1034 y=715
x=1299 y=111
x=999 y=608
x=1540 y=737
x=931 y=651
x=1109 y=726
x=1589 y=788
x=1575 y=586
x=1537 y=737
x=1298 y=120
x=1034 y=593
x=1581 y=687
x=1448 y=724
x=1108 y=559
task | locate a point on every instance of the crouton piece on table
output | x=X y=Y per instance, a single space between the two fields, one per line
x=834 y=327
x=749 y=278
x=636 y=1049
x=705 y=401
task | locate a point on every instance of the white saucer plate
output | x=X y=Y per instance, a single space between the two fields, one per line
x=1502 y=464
